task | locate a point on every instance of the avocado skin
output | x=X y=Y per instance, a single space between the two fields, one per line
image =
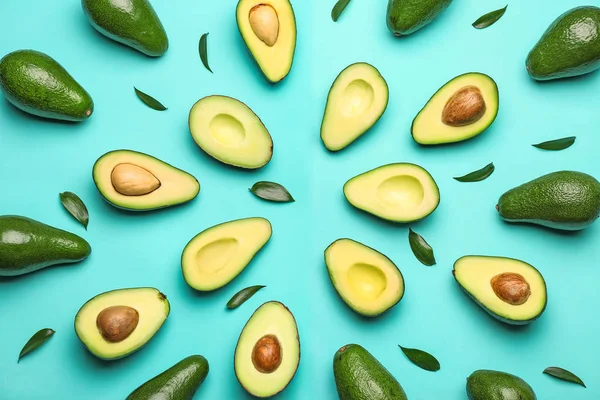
x=180 y=382
x=495 y=385
x=565 y=200
x=408 y=16
x=27 y=245
x=133 y=23
x=35 y=83
x=359 y=376
x=569 y=47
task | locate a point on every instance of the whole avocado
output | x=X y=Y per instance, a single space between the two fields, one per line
x=408 y=16
x=495 y=385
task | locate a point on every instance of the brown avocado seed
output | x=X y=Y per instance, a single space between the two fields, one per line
x=132 y=180
x=511 y=288
x=465 y=107
x=266 y=355
x=116 y=323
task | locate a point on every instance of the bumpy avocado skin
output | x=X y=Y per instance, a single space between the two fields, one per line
x=496 y=385
x=408 y=16
x=569 y=47
x=35 y=83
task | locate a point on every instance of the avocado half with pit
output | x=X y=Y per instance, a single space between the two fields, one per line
x=461 y=109
x=139 y=182
x=229 y=131
x=356 y=101
x=268 y=350
x=367 y=281
x=510 y=290
x=114 y=324
x=268 y=28
x=401 y=192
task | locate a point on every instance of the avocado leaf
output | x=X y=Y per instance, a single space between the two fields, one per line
x=420 y=248
x=557 y=144
x=564 y=375
x=338 y=9
x=421 y=359
x=240 y=297
x=38 y=339
x=203 y=49
x=489 y=19
x=75 y=207
x=149 y=100
x=271 y=191
x=478 y=175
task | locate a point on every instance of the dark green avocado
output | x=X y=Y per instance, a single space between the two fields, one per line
x=408 y=16
x=495 y=385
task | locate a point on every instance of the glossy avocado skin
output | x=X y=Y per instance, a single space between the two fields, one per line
x=495 y=385
x=408 y=16
x=27 y=245
x=569 y=47
x=131 y=22
x=35 y=83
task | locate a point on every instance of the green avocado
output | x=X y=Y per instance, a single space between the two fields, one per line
x=27 y=245
x=565 y=200
x=35 y=83
x=569 y=47
x=495 y=385
x=360 y=376
x=180 y=382
x=133 y=23
x=408 y=16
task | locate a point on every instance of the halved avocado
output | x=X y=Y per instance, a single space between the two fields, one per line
x=401 y=192
x=214 y=257
x=114 y=324
x=356 y=101
x=229 y=131
x=509 y=290
x=367 y=281
x=136 y=181
x=268 y=350
x=268 y=28
x=461 y=109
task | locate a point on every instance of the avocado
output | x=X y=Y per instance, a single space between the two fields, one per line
x=359 y=376
x=510 y=290
x=367 y=281
x=35 y=83
x=267 y=353
x=133 y=23
x=569 y=47
x=268 y=28
x=115 y=324
x=215 y=256
x=461 y=109
x=180 y=382
x=27 y=245
x=136 y=181
x=408 y=16
x=565 y=200
x=356 y=101
x=229 y=131
x=401 y=192
x=495 y=385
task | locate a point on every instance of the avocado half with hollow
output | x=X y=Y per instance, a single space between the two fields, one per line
x=356 y=101
x=268 y=28
x=229 y=131
x=114 y=324
x=138 y=182
x=508 y=289
x=401 y=192
x=461 y=109
x=268 y=350
x=367 y=281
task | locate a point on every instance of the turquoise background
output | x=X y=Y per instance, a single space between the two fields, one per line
x=42 y=158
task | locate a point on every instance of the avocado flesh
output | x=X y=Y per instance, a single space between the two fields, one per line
x=271 y=318
x=152 y=306
x=229 y=131
x=496 y=385
x=35 y=83
x=569 y=47
x=214 y=257
x=133 y=23
x=474 y=274
x=274 y=61
x=360 y=376
x=408 y=16
x=367 y=281
x=565 y=200
x=356 y=101
x=428 y=127
x=401 y=192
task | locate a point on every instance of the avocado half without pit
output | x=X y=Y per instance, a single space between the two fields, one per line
x=461 y=109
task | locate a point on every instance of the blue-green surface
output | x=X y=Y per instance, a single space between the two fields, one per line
x=42 y=158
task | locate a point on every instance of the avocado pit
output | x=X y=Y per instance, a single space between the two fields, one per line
x=511 y=288
x=132 y=180
x=265 y=23
x=117 y=323
x=465 y=107
x=266 y=354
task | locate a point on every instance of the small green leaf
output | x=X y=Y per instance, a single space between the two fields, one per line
x=271 y=191
x=203 y=49
x=564 y=375
x=149 y=100
x=557 y=144
x=38 y=339
x=420 y=248
x=240 y=297
x=421 y=359
x=489 y=19
x=478 y=175
x=338 y=9
x=75 y=207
